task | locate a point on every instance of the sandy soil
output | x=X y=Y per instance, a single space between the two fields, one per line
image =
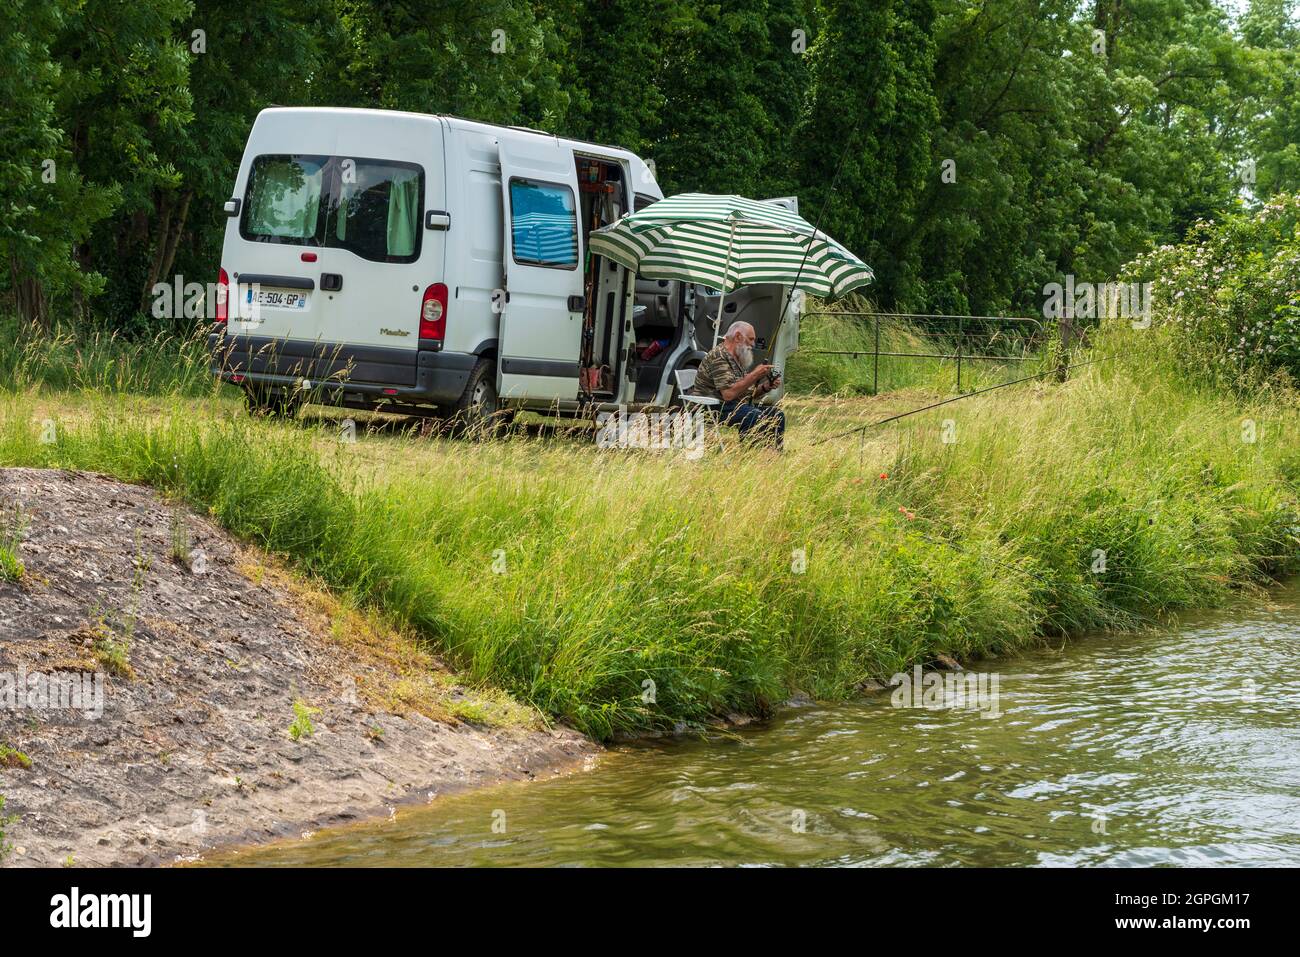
x=193 y=749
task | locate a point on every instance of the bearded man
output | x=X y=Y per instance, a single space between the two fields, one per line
x=725 y=374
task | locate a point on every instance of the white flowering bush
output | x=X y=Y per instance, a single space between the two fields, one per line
x=1230 y=295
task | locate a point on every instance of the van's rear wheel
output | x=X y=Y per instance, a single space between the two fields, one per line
x=273 y=402
x=479 y=409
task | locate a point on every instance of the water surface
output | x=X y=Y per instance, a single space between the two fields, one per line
x=1176 y=747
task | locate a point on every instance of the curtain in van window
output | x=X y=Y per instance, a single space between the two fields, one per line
x=403 y=212
x=543 y=224
x=286 y=194
x=376 y=212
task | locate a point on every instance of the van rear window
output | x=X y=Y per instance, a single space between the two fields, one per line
x=376 y=213
x=284 y=199
x=369 y=207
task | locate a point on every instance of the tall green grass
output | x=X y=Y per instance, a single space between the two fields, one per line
x=623 y=590
x=906 y=354
x=102 y=361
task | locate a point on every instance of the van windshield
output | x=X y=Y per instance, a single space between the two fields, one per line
x=369 y=207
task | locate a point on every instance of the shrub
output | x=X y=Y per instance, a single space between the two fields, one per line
x=1231 y=294
x=11 y=569
x=13 y=758
x=301 y=726
x=12 y=527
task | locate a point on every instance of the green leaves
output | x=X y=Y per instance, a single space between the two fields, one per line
x=1230 y=295
x=982 y=150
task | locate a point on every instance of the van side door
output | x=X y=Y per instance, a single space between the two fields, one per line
x=541 y=318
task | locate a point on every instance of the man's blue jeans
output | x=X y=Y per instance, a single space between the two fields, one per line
x=755 y=422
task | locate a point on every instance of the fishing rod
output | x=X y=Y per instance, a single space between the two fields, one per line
x=934 y=405
x=839 y=168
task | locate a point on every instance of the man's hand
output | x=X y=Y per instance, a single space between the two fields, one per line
x=757 y=375
x=746 y=382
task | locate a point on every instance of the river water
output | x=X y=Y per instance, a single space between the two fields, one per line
x=1180 y=746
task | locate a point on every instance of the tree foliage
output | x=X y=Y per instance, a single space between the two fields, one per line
x=971 y=150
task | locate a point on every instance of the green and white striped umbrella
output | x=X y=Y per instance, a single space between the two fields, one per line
x=727 y=242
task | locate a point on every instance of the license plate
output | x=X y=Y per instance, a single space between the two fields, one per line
x=276 y=298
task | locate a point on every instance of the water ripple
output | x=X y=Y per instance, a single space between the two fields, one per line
x=1179 y=747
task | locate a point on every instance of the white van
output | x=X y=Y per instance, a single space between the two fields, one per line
x=431 y=265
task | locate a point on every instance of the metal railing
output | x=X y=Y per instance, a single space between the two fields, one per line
x=969 y=346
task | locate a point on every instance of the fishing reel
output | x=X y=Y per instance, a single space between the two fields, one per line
x=773 y=378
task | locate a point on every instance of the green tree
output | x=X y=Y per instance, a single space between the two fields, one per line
x=242 y=58
x=734 y=79
x=1272 y=28
x=617 y=51
x=123 y=98
x=1072 y=151
x=46 y=207
x=498 y=60
x=865 y=148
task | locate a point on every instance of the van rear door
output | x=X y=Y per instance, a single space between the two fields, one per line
x=541 y=321
x=273 y=248
x=389 y=174
x=330 y=243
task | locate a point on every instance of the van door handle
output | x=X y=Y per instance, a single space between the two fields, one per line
x=577 y=303
x=331 y=281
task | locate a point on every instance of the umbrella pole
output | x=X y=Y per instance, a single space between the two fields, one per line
x=726 y=275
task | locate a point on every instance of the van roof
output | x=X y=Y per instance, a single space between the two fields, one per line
x=459 y=122
x=347 y=110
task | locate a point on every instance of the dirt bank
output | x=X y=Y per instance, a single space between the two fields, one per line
x=208 y=658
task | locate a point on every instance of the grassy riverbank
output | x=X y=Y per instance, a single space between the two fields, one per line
x=624 y=590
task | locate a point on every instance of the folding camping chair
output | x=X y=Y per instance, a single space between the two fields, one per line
x=704 y=405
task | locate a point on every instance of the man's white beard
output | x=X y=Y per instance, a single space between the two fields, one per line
x=745 y=356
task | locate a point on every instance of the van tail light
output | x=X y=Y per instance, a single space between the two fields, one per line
x=433 y=313
x=223 y=295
